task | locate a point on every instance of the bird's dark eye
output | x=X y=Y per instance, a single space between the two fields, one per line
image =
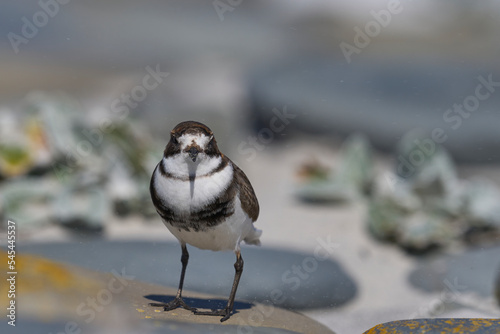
x=173 y=139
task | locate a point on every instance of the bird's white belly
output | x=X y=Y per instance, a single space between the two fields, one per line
x=224 y=236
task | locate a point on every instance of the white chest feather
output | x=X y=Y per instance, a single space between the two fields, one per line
x=184 y=196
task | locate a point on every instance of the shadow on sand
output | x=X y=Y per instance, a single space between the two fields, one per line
x=208 y=304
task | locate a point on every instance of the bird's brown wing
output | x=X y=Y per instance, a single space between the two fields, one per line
x=249 y=202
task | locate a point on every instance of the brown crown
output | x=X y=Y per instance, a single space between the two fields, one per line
x=191 y=127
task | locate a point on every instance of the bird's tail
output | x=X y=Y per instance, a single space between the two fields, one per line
x=253 y=238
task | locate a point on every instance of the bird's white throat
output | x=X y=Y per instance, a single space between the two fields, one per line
x=182 y=166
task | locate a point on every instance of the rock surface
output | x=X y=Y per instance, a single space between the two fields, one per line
x=58 y=298
x=473 y=271
x=353 y=178
x=301 y=280
x=383 y=100
x=426 y=206
x=497 y=287
x=477 y=326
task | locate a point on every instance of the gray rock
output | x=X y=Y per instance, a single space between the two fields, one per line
x=497 y=287
x=382 y=100
x=427 y=206
x=68 y=298
x=24 y=199
x=356 y=164
x=402 y=219
x=423 y=231
x=471 y=271
x=70 y=170
x=482 y=201
x=33 y=326
x=353 y=177
x=266 y=270
x=472 y=326
x=85 y=209
x=160 y=327
x=385 y=215
x=428 y=167
x=325 y=191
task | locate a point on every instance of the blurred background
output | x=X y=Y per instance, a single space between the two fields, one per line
x=373 y=124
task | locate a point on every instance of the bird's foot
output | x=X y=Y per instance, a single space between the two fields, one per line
x=177 y=302
x=224 y=313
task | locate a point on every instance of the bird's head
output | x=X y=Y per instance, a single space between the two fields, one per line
x=192 y=141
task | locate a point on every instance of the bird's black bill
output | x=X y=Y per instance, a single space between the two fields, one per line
x=193 y=153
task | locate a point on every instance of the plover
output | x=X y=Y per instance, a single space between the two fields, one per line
x=204 y=200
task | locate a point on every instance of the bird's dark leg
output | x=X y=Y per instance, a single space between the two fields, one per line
x=226 y=312
x=178 y=301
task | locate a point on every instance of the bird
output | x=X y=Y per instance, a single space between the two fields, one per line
x=205 y=200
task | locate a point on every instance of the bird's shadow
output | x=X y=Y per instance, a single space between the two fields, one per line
x=208 y=304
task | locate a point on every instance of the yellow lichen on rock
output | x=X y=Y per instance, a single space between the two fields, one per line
x=45 y=288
